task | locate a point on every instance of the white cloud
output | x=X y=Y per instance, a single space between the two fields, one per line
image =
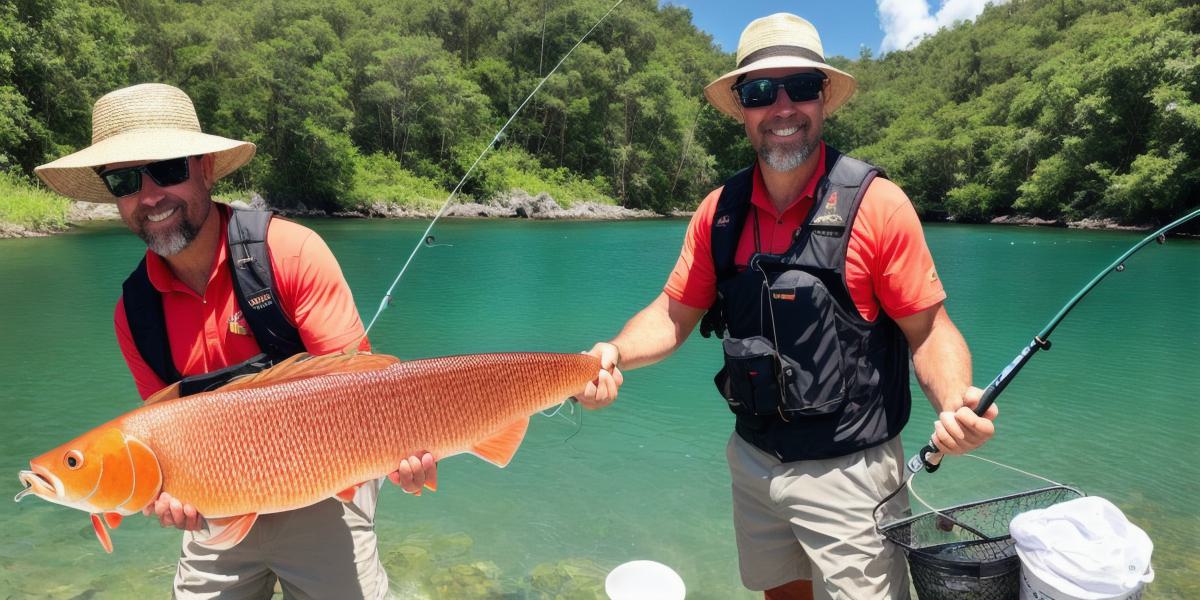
x=905 y=22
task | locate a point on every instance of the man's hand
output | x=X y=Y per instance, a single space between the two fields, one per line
x=170 y=512
x=961 y=431
x=414 y=472
x=602 y=391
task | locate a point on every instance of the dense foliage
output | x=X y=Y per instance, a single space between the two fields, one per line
x=1058 y=109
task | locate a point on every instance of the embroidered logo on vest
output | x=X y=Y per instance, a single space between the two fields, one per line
x=261 y=301
x=830 y=217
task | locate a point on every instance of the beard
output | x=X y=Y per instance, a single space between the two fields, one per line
x=786 y=156
x=174 y=240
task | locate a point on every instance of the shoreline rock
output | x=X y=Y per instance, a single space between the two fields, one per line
x=516 y=204
x=1093 y=223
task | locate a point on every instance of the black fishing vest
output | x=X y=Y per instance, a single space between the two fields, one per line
x=806 y=375
x=254 y=287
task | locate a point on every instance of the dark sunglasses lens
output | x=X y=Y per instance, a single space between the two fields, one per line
x=169 y=172
x=123 y=182
x=757 y=93
x=803 y=89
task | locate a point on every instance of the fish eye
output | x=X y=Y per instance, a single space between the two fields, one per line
x=73 y=459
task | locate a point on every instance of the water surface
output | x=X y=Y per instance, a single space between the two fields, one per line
x=1111 y=408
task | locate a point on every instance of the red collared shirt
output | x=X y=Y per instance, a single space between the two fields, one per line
x=207 y=332
x=888 y=264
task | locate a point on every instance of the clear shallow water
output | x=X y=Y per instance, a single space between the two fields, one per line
x=1111 y=408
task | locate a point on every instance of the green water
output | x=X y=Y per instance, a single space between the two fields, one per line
x=1111 y=409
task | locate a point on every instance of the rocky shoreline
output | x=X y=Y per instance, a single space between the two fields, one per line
x=515 y=205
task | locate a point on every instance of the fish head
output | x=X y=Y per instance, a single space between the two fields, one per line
x=100 y=471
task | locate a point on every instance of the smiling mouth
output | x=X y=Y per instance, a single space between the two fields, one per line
x=162 y=216
x=784 y=132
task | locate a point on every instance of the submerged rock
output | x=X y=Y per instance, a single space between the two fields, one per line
x=571 y=579
x=472 y=581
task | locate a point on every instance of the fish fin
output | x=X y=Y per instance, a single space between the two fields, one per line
x=500 y=448
x=113 y=519
x=228 y=532
x=304 y=365
x=102 y=533
x=347 y=495
x=170 y=392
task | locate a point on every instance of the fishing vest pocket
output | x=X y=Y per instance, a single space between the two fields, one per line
x=749 y=381
x=806 y=322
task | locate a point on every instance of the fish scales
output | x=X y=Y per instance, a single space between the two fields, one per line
x=287 y=445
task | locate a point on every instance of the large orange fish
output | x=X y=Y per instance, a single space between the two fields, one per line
x=305 y=430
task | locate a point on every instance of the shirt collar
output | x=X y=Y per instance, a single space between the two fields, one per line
x=163 y=278
x=760 y=198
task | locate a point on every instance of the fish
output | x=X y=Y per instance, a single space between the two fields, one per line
x=307 y=429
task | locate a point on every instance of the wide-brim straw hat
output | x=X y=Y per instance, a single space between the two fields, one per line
x=150 y=121
x=780 y=40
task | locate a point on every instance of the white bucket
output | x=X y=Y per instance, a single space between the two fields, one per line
x=1036 y=588
x=644 y=580
x=1082 y=549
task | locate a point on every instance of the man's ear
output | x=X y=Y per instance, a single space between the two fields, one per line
x=207 y=162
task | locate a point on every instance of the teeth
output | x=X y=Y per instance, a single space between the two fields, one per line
x=162 y=215
x=785 y=132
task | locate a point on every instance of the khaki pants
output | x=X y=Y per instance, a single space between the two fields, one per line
x=812 y=519
x=327 y=550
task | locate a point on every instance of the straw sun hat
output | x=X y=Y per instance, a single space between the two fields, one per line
x=151 y=121
x=779 y=40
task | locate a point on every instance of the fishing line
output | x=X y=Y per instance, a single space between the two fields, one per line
x=387 y=298
x=1041 y=341
x=950 y=520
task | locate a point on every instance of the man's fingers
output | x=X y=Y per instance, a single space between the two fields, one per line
x=191 y=518
x=418 y=474
x=429 y=467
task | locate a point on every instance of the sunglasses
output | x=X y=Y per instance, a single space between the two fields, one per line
x=128 y=180
x=801 y=87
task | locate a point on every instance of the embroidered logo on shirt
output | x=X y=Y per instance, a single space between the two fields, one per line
x=237 y=324
x=723 y=221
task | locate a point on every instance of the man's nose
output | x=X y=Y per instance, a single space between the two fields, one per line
x=151 y=193
x=783 y=103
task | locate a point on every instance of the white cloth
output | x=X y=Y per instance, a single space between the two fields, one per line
x=1084 y=547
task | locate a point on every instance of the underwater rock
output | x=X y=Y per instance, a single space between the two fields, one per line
x=472 y=581
x=571 y=579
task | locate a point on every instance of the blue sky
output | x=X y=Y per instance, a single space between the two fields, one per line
x=844 y=25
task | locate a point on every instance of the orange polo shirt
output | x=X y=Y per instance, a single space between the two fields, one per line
x=207 y=332
x=888 y=264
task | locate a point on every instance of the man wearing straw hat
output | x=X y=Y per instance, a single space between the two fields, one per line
x=814 y=270
x=186 y=314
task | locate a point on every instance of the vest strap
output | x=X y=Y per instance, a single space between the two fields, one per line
x=254 y=288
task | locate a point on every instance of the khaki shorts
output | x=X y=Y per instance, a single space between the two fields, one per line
x=811 y=519
x=327 y=550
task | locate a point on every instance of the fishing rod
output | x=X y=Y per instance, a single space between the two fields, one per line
x=426 y=238
x=1041 y=341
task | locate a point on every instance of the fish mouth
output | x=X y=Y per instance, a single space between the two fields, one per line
x=40 y=484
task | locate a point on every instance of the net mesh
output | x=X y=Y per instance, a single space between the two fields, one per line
x=965 y=552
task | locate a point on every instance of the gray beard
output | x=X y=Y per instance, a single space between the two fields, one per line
x=171 y=242
x=785 y=158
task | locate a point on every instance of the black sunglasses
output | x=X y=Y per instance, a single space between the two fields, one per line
x=128 y=180
x=801 y=87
